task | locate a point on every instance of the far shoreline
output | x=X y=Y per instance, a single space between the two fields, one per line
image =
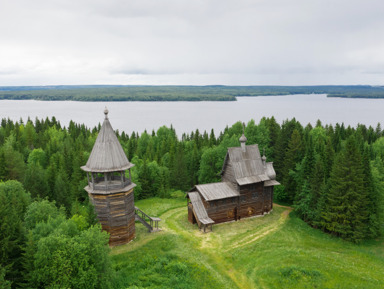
x=217 y=93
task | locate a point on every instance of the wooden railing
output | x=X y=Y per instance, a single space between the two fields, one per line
x=152 y=223
x=105 y=186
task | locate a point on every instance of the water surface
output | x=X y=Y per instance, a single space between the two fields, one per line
x=189 y=116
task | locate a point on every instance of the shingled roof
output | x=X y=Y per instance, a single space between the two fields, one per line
x=217 y=191
x=107 y=154
x=199 y=208
x=248 y=166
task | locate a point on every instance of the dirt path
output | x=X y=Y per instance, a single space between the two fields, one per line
x=211 y=244
x=264 y=232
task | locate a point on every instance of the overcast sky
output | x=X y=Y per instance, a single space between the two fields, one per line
x=199 y=42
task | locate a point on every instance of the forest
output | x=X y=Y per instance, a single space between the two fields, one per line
x=178 y=93
x=333 y=177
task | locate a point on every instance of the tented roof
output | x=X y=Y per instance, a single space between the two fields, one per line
x=107 y=154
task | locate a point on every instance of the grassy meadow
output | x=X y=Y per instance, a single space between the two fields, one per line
x=275 y=251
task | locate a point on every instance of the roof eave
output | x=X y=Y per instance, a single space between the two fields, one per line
x=94 y=170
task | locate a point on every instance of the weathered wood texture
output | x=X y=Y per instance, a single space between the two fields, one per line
x=223 y=210
x=116 y=213
x=254 y=200
x=228 y=173
x=199 y=209
x=107 y=154
x=152 y=223
x=217 y=191
x=191 y=217
x=108 y=188
x=245 y=190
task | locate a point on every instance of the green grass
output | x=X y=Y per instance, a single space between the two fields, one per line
x=158 y=264
x=274 y=251
x=298 y=256
x=155 y=207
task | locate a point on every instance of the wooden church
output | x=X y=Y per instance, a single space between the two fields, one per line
x=110 y=191
x=245 y=190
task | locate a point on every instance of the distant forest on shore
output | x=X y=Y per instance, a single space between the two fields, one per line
x=178 y=93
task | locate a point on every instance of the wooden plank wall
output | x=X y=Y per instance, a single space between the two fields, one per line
x=116 y=213
x=191 y=216
x=222 y=210
x=268 y=196
x=251 y=200
x=254 y=200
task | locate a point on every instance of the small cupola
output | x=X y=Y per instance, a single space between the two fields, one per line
x=264 y=159
x=243 y=140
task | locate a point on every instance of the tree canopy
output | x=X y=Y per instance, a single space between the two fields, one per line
x=332 y=175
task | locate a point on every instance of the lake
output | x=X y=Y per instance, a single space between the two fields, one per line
x=189 y=116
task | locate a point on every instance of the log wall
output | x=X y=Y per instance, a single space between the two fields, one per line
x=116 y=213
x=268 y=196
x=191 y=216
x=254 y=200
x=224 y=210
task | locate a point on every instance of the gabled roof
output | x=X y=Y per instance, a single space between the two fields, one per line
x=248 y=167
x=107 y=154
x=217 y=191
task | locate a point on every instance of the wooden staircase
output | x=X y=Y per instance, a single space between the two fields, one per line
x=151 y=223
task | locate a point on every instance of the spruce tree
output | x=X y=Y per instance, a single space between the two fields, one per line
x=328 y=157
x=372 y=197
x=145 y=181
x=3 y=167
x=346 y=213
x=292 y=157
x=273 y=131
x=317 y=186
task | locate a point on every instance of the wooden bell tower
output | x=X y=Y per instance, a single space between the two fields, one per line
x=109 y=189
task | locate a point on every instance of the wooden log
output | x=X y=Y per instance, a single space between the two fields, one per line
x=116 y=213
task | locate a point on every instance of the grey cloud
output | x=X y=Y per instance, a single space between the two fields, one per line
x=224 y=42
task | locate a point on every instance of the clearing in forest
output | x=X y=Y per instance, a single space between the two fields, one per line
x=274 y=251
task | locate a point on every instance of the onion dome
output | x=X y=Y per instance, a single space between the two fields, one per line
x=243 y=139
